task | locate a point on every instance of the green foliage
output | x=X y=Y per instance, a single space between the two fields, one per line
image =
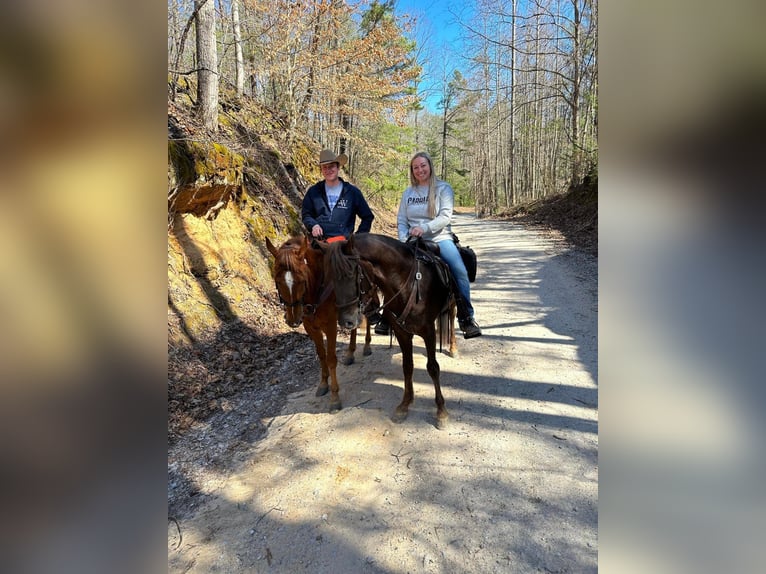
x=384 y=168
x=453 y=92
x=461 y=185
x=375 y=14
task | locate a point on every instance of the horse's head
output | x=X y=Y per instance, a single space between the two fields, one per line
x=291 y=277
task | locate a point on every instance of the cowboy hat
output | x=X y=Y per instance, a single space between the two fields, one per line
x=328 y=156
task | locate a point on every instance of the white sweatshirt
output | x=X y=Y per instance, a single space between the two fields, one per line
x=413 y=212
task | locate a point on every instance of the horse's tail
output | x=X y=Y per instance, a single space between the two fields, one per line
x=446 y=325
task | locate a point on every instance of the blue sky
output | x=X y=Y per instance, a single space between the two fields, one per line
x=439 y=35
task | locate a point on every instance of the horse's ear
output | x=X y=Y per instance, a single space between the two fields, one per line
x=304 y=246
x=270 y=247
x=318 y=245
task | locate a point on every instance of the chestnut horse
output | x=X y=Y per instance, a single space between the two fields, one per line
x=416 y=289
x=308 y=296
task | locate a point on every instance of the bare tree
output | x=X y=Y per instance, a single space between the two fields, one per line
x=240 y=61
x=534 y=64
x=511 y=188
x=177 y=48
x=452 y=105
x=207 y=64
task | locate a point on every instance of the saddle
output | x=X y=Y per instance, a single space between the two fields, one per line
x=428 y=252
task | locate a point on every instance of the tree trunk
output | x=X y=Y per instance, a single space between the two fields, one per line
x=207 y=62
x=314 y=64
x=445 y=111
x=575 y=104
x=512 y=154
x=489 y=170
x=240 y=64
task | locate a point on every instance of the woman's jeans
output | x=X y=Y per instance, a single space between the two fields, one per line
x=450 y=254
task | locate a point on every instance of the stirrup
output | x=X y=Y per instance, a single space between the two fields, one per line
x=382 y=328
x=470 y=328
x=375 y=318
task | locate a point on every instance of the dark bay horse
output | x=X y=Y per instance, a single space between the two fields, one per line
x=308 y=297
x=415 y=292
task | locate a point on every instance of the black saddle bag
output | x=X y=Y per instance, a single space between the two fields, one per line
x=468 y=256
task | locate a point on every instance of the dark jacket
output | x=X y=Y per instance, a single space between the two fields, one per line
x=351 y=203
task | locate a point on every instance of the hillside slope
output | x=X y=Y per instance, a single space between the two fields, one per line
x=574 y=214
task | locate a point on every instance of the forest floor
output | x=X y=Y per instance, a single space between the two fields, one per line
x=262 y=478
x=573 y=215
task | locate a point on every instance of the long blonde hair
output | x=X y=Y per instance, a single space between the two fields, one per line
x=431 y=182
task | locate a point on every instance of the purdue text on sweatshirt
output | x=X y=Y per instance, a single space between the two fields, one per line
x=413 y=212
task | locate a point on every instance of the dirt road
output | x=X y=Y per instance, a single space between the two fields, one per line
x=511 y=485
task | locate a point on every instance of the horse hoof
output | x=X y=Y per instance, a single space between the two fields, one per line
x=441 y=423
x=399 y=416
x=348 y=360
x=322 y=391
x=367 y=352
x=452 y=354
x=335 y=407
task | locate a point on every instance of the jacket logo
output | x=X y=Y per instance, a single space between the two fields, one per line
x=342 y=203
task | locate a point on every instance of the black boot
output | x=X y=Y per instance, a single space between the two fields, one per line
x=467 y=323
x=375 y=318
x=382 y=328
x=470 y=328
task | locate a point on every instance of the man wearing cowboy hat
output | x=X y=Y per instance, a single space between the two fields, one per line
x=330 y=206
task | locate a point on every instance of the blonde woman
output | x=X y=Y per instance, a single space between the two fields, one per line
x=426 y=211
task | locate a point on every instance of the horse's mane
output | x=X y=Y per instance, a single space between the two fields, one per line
x=342 y=265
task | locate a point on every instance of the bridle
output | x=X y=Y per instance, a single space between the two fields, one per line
x=361 y=277
x=308 y=308
x=358 y=275
x=290 y=305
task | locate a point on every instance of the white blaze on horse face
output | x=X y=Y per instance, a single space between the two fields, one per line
x=289 y=282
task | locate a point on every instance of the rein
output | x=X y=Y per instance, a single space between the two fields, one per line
x=414 y=297
x=311 y=308
x=359 y=273
x=414 y=293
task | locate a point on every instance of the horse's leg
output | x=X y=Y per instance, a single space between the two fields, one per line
x=316 y=336
x=348 y=356
x=405 y=344
x=367 y=338
x=432 y=366
x=332 y=363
